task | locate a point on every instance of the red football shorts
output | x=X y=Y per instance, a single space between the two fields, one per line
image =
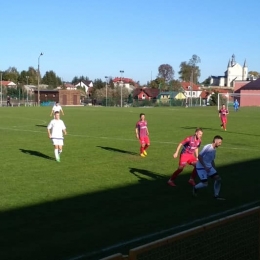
x=224 y=120
x=187 y=158
x=144 y=140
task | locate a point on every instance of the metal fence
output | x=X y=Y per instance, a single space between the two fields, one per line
x=116 y=102
x=233 y=237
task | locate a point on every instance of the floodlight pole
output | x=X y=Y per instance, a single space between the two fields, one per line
x=27 y=77
x=106 y=77
x=39 y=78
x=122 y=72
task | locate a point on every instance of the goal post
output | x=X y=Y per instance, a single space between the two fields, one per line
x=244 y=99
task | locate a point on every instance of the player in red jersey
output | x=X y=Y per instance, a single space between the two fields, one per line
x=189 y=155
x=222 y=113
x=142 y=133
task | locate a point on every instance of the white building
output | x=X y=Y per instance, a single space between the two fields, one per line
x=234 y=72
x=84 y=84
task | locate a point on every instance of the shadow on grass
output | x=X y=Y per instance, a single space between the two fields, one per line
x=141 y=174
x=111 y=149
x=93 y=222
x=36 y=153
x=41 y=125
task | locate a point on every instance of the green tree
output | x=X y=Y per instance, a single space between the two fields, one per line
x=190 y=71
x=51 y=79
x=166 y=72
x=157 y=83
x=195 y=68
x=214 y=99
x=175 y=85
x=11 y=74
x=76 y=79
x=185 y=71
x=206 y=81
x=98 y=84
x=254 y=73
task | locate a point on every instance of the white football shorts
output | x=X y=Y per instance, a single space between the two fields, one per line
x=56 y=141
x=203 y=175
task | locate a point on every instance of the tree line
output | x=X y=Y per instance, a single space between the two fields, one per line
x=188 y=71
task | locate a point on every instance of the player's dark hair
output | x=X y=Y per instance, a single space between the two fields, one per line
x=198 y=129
x=56 y=112
x=142 y=114
x=217 y=137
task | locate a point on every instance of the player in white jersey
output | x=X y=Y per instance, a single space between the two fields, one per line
x=56 y=107
x=205 y=167
x=56 y=129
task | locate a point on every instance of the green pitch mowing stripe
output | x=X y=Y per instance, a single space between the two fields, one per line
x=103 y=192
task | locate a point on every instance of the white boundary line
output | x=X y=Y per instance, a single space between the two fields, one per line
x=187 y=225
x=121 y=139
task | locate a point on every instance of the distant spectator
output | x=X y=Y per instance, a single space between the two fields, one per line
x=8 y=101
x=236 y=105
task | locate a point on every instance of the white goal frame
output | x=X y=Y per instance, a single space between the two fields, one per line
x=227 y=98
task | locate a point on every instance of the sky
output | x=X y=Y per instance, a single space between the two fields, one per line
x=98 y=38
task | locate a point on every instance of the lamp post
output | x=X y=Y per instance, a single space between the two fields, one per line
x=122 y=72
x=106 y=77
x=39 y=78
x=27 y=77
x=191 y=86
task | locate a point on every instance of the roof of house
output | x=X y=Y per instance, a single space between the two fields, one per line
x=253 y=85
x=185 y=85
x=86 y=82
x=125 y=80
x=150 y=92
x=204 y=94
x=7 y=82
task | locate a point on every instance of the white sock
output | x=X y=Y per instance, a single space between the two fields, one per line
x=56 y=153
x=200 y=185
x=217 y=185
x=60 y=151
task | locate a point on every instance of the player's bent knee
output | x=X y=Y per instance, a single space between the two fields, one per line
x=205 y=183
x=217 y=178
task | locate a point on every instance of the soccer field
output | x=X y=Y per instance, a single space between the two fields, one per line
x=103 y=194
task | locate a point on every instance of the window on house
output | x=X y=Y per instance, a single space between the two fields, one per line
x=193 y=93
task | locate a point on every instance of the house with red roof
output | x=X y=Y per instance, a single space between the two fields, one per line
x=8 y=84
x=190 y=89
x=125 y=82
x=146 y=93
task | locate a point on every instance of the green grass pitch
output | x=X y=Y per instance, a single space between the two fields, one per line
x=103 y=193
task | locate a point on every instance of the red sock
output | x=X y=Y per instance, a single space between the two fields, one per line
x=193 y=174
x=176 y=173
x=141 y=149
x=146 y=146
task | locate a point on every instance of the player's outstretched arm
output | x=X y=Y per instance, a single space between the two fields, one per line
x=147 y=131
x=136 y=133
x=49 y=133
x=175 y=155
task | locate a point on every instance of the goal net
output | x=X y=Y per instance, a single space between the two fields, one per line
x=243 y=99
